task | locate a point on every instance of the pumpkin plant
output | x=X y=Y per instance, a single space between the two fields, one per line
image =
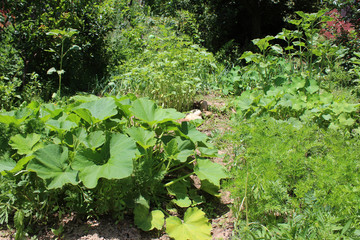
x=125 y=152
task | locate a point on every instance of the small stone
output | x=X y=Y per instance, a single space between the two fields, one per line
x=207 y=113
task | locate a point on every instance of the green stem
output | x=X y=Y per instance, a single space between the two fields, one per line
x=178 y=179
x=177 y=168
x=61 y=62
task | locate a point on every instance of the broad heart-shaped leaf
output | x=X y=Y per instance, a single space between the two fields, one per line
x=15 y=117
x=49 y=110
x=194 y=227
x=6 y=163
x=25 y=145
x=142 y=136
x=171 y=149
x=61 y=124
x=177 y=148
x=147 y=111
x=99 y=109
x=189 y=131
x=118 y=161
x=94 y=139
x=180 y=191
x=146 y=220
x=51 y=164
x=207 y=170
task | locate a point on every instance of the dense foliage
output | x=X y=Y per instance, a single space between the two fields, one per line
x=97 y=156
x=27 y=33
x=294 y=93
x=295 y=182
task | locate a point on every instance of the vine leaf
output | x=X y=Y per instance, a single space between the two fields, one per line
x=142 y=136
x=194 y=227
x=97 y=110
x=207 y=170
x=50 y=163
x=112 y=162
x=25 y=145
x=16 y=117
x=6 y=163
x=147 y=111
x=145 y=219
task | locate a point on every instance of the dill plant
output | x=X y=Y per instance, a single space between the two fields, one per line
x=296 y=182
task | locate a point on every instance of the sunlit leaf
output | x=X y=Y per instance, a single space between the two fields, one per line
x=51 y=164
x=147 y=111
x=116 y=162
x=194 y=227
x=207 y=170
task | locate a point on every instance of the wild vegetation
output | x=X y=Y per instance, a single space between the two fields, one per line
x=93 y=97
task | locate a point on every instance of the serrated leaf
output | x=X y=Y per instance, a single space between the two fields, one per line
x=146 y=220
x=51 y=164
x=313 y=87
x=189 y=131
x=16 y=117
x=180 y=191
x=346 y=121
x=207 y=170
x=113 y=163
x=61 y=124
x=194 y=227
x=6 y=163
x=94 y=139
x=99 y=109
x=147 y=111
x=142 y=136
x=171 y=149
x=25 y=145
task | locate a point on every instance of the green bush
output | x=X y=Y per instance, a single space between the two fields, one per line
x=161 y=64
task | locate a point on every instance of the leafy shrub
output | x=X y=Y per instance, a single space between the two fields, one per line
x=294 y=182
x=99 y=156
x=162 y=65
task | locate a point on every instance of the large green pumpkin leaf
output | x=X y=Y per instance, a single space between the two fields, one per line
x=94 y=139
x=48 y=111
x=147 y=111
x=142 y=136
x=99 y=109
x=194 y=227
x=180 y=191
x=15 y=117
x=113 y=163
x=62 y=124
x=6 y=163
x=145 y=219
x=207 y=170
x=51 y=164
x=25 y=145
x=189 y=131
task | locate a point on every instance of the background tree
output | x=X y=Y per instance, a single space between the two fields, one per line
x=235 y=22
x=32 y=20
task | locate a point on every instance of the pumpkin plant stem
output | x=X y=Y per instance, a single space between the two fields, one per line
x=178 y=179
